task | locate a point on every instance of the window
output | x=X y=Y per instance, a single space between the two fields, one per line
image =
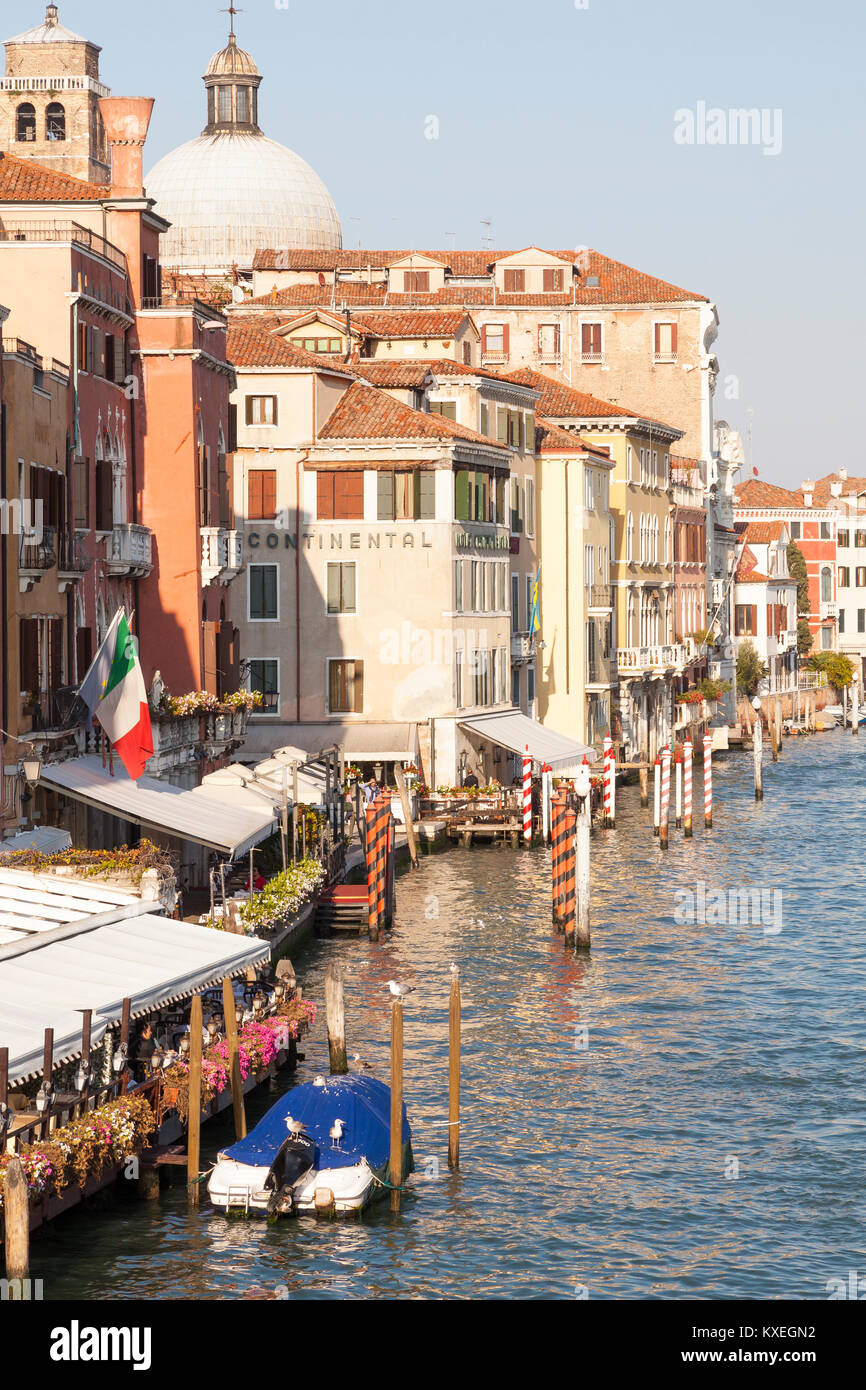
x=261 y=410
x=529 y=602
x=225 y=103
x=458 y=586
x=841 y=619
x=405 y=496
x=665 y=342
x=514 y=429
x=745 y=620
x=458 y=679
x=553 y=279
x=588 y=499
x=340 y=494
x=264 y=675
x=826 y=639
x=795 y=530
x=243 y=100
x=447 y=409
x=323 y=346
x=516 y=523
x=515 y=281
x=844 y=577
x=549 y=342
x=345 y=687
x=467 y=354
x=494 y=340
x=629 y=539
x=25 y=122
x=80 y=496
x=861 y=619
x=109 y=357
x=826 y=584
x=530 y=686
x=341 y=588
x=629 y=464
x=55 y=121
x=264 y=590
x=591 y=342
x=417 y=280
x=842 y=539
x=860 y=575
x=825 y=530
x=515 y=687
x=261 y=494
x=515 y=603
x=104 y=496
x=151 y=283
x=859 y=540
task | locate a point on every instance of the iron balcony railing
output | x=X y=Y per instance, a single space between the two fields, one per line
x=63 y=232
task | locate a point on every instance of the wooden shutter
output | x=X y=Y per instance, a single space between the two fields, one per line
x=83 y=651
x=325 y=496
x=55 y=653
x=426 y=496
x=506 y=338
x=28 y=644
x=385 y=495
x=349 y=495
x=228 y=668
x=209 y=654
x=335 y=683
x=356 y=686
x=753 y=619
x=461 y=495
x=484 y=337
x=233 y=429
x=347 y=587
x=770 y=613
x=261 y=494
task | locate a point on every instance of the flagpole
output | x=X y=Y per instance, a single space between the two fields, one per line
x=118 y=615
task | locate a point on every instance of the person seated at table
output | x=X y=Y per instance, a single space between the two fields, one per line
x=144 y=1051
x=470 y=780
x=258 y=881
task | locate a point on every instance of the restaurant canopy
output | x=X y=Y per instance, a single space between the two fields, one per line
x=371 y=741
x=49 y=976
x=47 y=839
x=187 y=814
x=516 y=731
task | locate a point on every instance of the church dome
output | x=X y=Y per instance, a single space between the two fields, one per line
x=229 y=193
x=233 y=191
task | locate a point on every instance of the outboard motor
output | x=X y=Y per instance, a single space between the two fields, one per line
x=296 y=1157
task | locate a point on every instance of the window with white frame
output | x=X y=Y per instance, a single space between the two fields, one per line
x=341 y=588
x=629 y=464
x=591 y=342
x=587 y=489
x=664 y=342
x=458 y=586
x=530 y=506
x=263 y=674
x=629 y=538
x=264 y=586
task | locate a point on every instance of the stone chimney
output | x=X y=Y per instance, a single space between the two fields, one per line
x=807 y=489
x=843 y=474
x=126 y=121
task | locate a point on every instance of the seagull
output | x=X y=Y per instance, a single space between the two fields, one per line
x=336 y=1133
x=319 y=1081
x=455 y=970
x=359 y=1062
x=295 y=1127
x=400 y=991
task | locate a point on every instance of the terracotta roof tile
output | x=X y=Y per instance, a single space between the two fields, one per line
x=248 y=346
x=754 y=493
x=365 y=413
x=552 y=439
x=25 y=181
x=760 y=532
x=418 y=324
x=559 y=401
x=822 y=495
x=402 y=373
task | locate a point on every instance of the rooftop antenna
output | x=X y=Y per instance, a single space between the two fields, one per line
x=232 y=10
x=750 y=413
x=358 y=220
x=487 y=241
x=453 y=236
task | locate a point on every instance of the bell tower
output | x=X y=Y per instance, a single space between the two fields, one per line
x=49 y=101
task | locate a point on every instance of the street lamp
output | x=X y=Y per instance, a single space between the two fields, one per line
x=31 y=766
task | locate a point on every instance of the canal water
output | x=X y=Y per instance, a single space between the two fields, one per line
x=679 y=1115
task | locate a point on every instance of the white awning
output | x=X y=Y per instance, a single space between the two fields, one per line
x=187 y=814
x=367 y=742
x=48 y=839
x=47 y=982
x=514 y=731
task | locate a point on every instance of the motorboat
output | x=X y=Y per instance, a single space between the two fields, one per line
x=323 y=1147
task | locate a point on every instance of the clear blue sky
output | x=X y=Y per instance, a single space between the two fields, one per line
x=558 y=123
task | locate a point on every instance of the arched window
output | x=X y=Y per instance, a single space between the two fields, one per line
x=629 y=542
x=242 y=97
x=55 y=121
x=25 y=123
x=826 y=584
x=225 y=104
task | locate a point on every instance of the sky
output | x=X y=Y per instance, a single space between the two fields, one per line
x=568 y=124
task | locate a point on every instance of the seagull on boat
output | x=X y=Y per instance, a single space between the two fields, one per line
x=336 y=1133
x=400 y=991
x=295 y=1127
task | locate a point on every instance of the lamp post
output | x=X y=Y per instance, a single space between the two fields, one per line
x=855 y=703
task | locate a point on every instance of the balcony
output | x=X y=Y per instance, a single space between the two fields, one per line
x=73 y=561
x=599 y=597
x=129 y=549
x=493 y=359
x=662 y=358
x=37 y=554
x=829 y=609
x=668 y=657
x=590 y=359
x=521 y=646
x=598 y=671
x=222 y=555
x=65 y=233
x=687 y=487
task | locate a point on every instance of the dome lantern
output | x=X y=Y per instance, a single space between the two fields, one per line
x=232 y=81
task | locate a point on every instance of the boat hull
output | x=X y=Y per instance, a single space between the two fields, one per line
x=234 y=1186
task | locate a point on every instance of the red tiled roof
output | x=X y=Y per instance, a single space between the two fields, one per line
x=618 y=283
x=365 y=413
x=25 y=181
x=420 y=324
x=564 y=402
x=760 y=532
x=247 y=346
x=447 y=366
x=552 y=439
x=747 y=569
x=401 y=372
x=850 y=486
x=754 y=493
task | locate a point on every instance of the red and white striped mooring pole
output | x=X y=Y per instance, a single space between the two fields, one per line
x=609 y=758
x=687 y=788
x=678 y=786
x=708 y=780
x=657 y=795
x=527 y=796
x=666 y=797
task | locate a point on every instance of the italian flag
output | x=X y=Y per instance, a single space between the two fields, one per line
x=114 y=692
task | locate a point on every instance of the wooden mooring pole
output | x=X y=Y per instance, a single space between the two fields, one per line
x=396 y=1161
x=407 y=814
x=47 y=1072
x=230 y=1024
x=193 y=1145
x=335 y=1014
x=454 y=1071
x=643 y=775
x=779 y=722
x=758 y=751
x=16 y=1220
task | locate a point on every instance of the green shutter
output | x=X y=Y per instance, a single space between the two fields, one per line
x=385 y=495
x=427 y=496
x=461 y=495
x=333 y=588
x=348 y=575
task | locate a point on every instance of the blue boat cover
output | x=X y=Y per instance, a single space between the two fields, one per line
x=361 y=1102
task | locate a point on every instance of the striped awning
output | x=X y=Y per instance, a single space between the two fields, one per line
x=515 y=731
